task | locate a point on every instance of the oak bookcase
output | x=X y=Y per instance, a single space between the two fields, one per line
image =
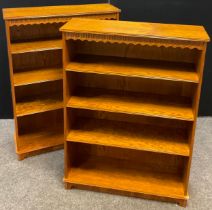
x=35 y=60
x=131 y=95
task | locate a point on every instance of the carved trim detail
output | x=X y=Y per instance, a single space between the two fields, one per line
x=45 y=20
x=135 y=40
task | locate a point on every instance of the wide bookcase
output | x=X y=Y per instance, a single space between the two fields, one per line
x=131 y=95
x=35 y=59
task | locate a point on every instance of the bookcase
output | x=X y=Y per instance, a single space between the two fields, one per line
x=35 y=59
x=131 y=95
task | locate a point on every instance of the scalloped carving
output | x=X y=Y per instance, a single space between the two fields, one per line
x=45 y=20
x=135 y=40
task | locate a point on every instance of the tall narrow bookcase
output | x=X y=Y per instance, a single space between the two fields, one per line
x=35 y=60
x=131 y=95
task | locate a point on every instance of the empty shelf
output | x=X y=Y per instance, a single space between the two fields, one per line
x=38 y=104
x=122 y=175
x=131 y=103
x=134 y=68
x=37 y=76
x=39 y=140
x=35 y=46
x=130 y=135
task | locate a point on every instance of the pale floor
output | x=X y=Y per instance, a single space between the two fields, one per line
x=36 y=182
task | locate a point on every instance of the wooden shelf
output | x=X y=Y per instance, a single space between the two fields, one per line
x=59 y=11
x=39 y=140
x=38 y=104
x=36 y=46
x=132 y=103
x=134 y=68
x=37 y=76
x=133 y=136
x=124 y=175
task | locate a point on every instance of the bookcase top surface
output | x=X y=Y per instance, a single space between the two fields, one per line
x=137 y=29
x=56 y=11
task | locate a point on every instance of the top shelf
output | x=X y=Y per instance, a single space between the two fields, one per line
x=36 y=46
x=58 y=11
x=134 y=68
x=165 y=32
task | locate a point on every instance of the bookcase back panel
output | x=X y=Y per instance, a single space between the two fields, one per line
x=74 y=114
x=47 y=90
x=36 y=60
x=47 y=121
x=136 y=51
x=129 y=131
x=35 y=32
x=133 y=84
x=129 y=158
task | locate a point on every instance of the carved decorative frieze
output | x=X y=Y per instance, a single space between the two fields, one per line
x=135 y=40
x=45 y=20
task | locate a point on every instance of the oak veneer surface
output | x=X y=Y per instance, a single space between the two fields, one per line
x=134 y=68
x=132 y=103
x=112 y=173
x=53 y=11
x=38 y=104
x=137 y=29
x=39 y=140
x=132 y=136
x=37 y=76
x=35 y=46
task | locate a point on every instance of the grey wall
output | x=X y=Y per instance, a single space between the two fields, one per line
x=165 y=11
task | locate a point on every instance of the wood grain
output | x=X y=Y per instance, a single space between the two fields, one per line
x=134 y=68
x=24 y=33
x=157 y=162
x=137 y=29
x=133 y=136
x=37 y=60
x=39 y=140
x=114 y=174
x=38 y=104
x=146 y=52
x=55 y=11
x=37 y=76
x=35 y=46
x=132 y=103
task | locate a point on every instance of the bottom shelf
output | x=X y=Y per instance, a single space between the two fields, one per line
x=39 y=140
x=122 y=175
